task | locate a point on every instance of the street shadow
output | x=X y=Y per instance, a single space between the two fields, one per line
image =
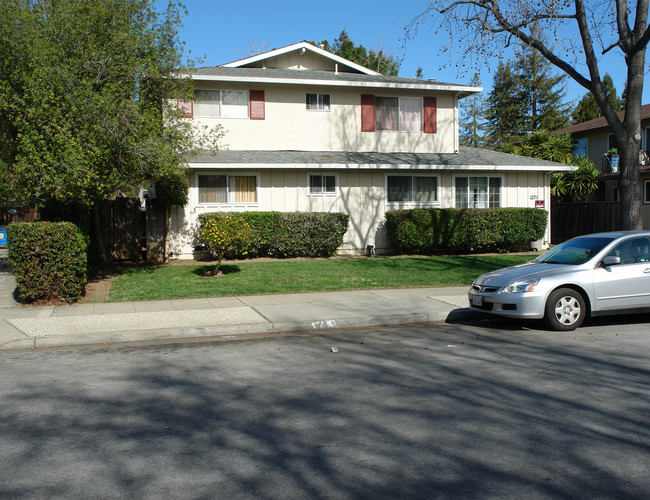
x=418 y=412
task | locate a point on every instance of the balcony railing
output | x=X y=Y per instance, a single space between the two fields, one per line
x=610 y=163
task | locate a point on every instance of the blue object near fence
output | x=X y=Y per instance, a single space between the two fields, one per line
x=3 y=237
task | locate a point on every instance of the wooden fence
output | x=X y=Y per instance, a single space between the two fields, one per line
x=573 y=219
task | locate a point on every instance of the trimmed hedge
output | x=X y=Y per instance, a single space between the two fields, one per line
x=450 y=230
x=291 y=234
x=48 y=259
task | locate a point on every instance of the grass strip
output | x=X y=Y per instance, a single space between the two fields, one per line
x=266 y=277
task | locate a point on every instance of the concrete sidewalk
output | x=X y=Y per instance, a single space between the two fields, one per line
x=24 y=327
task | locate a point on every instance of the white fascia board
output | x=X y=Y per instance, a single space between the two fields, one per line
x=339 y=83
x=376 y=166
x=297 y=46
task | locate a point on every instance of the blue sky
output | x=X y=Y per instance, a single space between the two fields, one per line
x=222 y=32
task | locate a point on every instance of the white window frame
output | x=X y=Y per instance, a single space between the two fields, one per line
x=646 y=191
x=412 y=203
x=320 y=106
x=487 y=176
x=221 y=112
x=230 y=189
x=323 y=174
x=399 y=121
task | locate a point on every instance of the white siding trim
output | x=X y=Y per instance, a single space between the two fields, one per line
x=376 y=166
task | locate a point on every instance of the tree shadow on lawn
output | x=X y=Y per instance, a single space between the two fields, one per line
x=224 y=268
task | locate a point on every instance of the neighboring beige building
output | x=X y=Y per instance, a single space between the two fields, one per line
x=309 y=131
x=595 y=139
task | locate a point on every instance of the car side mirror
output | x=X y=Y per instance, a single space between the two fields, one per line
x=610 y=260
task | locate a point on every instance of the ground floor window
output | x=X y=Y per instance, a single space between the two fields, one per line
x=227 y=188
x=412 y=189
x=478 y=192
x=646 y=191
x=322 y=184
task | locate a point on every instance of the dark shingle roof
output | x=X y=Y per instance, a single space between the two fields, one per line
x=600 y=122
x=467 y=158
x=294 y=74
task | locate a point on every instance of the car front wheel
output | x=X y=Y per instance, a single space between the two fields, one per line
x=565 y=310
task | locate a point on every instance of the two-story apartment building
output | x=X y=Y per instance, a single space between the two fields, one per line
x=309 y=131
x=594 y=138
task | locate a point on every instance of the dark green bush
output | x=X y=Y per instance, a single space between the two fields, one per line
x=428 y=231
x=292 y=234
x=48 y=259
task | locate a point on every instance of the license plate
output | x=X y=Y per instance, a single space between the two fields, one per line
x=477 y=300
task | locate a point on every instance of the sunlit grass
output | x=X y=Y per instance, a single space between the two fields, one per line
x=265 y=277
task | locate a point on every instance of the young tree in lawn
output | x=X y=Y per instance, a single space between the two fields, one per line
x=483 y=28
x=88 y=100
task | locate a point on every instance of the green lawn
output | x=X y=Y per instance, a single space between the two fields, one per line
x=264 y=277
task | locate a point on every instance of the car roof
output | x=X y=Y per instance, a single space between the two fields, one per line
x=615 y=234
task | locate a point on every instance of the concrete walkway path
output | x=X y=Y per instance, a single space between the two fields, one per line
x=24 y=327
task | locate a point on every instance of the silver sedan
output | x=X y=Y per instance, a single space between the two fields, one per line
x=595 y=274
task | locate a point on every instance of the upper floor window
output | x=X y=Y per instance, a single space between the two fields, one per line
x=227 y=189
x=322 y=184
x=318 y=102
x=221 y=103
x=411 y=189
x=478 y=192
x=402 y=114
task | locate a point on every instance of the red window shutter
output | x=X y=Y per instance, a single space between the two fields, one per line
x=257 y=104
x=186 y=108
x=430 y=121
x=367 y=113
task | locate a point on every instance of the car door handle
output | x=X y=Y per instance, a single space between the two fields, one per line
x=646 y=271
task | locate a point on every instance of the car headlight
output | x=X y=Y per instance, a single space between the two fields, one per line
x=520 y=286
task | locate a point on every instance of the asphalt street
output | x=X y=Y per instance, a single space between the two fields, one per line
x=485 y=409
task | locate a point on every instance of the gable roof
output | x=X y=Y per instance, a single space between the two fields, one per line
x=600 y=122
x=300 y=47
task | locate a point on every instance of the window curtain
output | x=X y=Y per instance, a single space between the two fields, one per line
x=245 y=188
x=235 y=104
x=212 y=189
x=410 y=114
x=207 y=103
x=425 y=188
x=386 y=113
x=399 y=188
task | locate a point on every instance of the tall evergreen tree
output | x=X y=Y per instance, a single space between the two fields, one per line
x=543 y=93
x=588 y=108
x=376 y=60
x=472 y=118
x=506 y=113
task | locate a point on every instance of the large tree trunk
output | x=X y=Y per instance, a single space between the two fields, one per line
x=630 y=187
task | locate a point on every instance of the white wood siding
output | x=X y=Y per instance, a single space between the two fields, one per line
x=361 y=195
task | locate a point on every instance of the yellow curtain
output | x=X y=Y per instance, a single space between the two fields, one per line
x=245 y=189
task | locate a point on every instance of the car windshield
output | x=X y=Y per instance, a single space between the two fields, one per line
x=576 y=251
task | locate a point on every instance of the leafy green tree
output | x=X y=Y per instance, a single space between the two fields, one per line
x=588 y=108
x=376 y=60
x=88 y=94
x=505 y=106
x=472 y=118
